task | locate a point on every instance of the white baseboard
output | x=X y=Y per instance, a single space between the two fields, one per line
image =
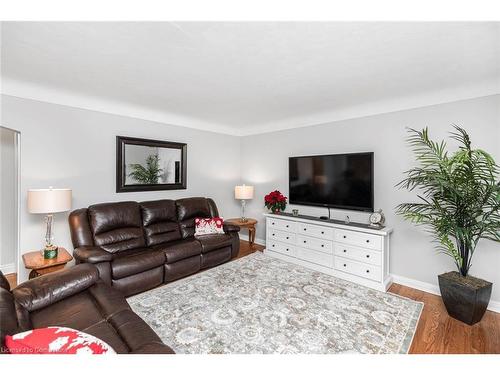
x=8 y=268
x=244 y=237
x=433 y=289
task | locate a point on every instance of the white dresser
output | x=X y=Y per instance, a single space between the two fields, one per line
x=354 y=253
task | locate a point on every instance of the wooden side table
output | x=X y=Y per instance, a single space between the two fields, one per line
x=249 y=224
x=35 y=262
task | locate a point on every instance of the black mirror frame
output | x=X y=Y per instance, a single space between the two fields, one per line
x=120 y=172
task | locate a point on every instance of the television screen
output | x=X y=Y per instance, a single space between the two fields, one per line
x=342 y=181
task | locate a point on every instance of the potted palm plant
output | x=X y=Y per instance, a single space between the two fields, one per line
x=459 y=204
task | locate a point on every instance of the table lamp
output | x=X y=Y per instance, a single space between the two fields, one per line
x=243 y=192
x=48 y=202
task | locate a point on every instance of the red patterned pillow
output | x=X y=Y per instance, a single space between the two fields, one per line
x=56 y=340
x=208 y=226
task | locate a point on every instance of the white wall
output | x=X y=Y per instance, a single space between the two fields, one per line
x=8 y=198
x=264 y=163
x=68 y=147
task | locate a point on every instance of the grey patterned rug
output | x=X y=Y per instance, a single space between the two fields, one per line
x=259 y=304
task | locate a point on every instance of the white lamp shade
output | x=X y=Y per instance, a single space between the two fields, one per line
x=243 y=192
x=49 y=201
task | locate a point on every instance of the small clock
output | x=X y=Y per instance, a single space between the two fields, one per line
x=377 y=219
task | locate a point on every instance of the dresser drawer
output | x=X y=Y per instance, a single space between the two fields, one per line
x=285 y=225
x=315 y=244
x=356 y=253
x=358 y=269
x=369 y=241
x=282 y=248
x=279 y=235
x=314 y=256
x=315 y=231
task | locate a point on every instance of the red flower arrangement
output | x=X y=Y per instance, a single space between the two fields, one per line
x=275 y=201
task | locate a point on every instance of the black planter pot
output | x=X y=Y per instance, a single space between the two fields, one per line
x=465 y=298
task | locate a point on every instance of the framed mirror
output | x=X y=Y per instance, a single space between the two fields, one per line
x=147 y=164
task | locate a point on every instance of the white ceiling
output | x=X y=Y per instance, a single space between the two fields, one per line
x=243 y=78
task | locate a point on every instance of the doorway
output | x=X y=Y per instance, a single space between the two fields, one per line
x=9 y=202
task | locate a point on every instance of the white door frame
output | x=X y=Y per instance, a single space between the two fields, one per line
x=17 y=146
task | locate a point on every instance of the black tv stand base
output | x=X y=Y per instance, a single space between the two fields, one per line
x=324 y=218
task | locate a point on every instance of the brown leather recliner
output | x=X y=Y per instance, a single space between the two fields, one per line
x=138 y=246
x=76 y=298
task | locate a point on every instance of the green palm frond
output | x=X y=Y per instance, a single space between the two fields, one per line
x=459 y=201
x=149 y=174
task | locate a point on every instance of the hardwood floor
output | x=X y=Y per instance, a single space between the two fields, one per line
x=436 y=331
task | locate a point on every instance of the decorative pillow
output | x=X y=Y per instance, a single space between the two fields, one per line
x=208 y=226
x=56 y=340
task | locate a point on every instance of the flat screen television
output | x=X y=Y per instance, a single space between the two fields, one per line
x=343 y=181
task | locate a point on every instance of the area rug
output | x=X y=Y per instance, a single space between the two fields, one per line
x=259 y=304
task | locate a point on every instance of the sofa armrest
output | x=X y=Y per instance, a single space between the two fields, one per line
x=230 y=228
x=47 y=289
x=92 y=254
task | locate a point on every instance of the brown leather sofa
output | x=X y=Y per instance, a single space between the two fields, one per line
x=76 y=298
x=138 y=246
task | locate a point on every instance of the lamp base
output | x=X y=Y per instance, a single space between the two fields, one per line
x=243 y=219
x=50 y=252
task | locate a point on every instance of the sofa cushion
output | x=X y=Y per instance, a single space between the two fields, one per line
x=130 y=262
x=133 y=330
x=78 y=311
x=160 y=221
x=107 y=333
x=178 y=250
x=215 y=258
x=211 y=242
x=187 y=210
x=139 y=282
x=116 y=226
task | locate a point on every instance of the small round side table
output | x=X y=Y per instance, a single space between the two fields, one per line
x=249 y=224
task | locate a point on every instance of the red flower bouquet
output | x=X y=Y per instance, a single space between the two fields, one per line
x=275 y=201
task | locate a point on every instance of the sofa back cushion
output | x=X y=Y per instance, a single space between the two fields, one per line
x=116 y=226
x=159 y=219
x=187 y=210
